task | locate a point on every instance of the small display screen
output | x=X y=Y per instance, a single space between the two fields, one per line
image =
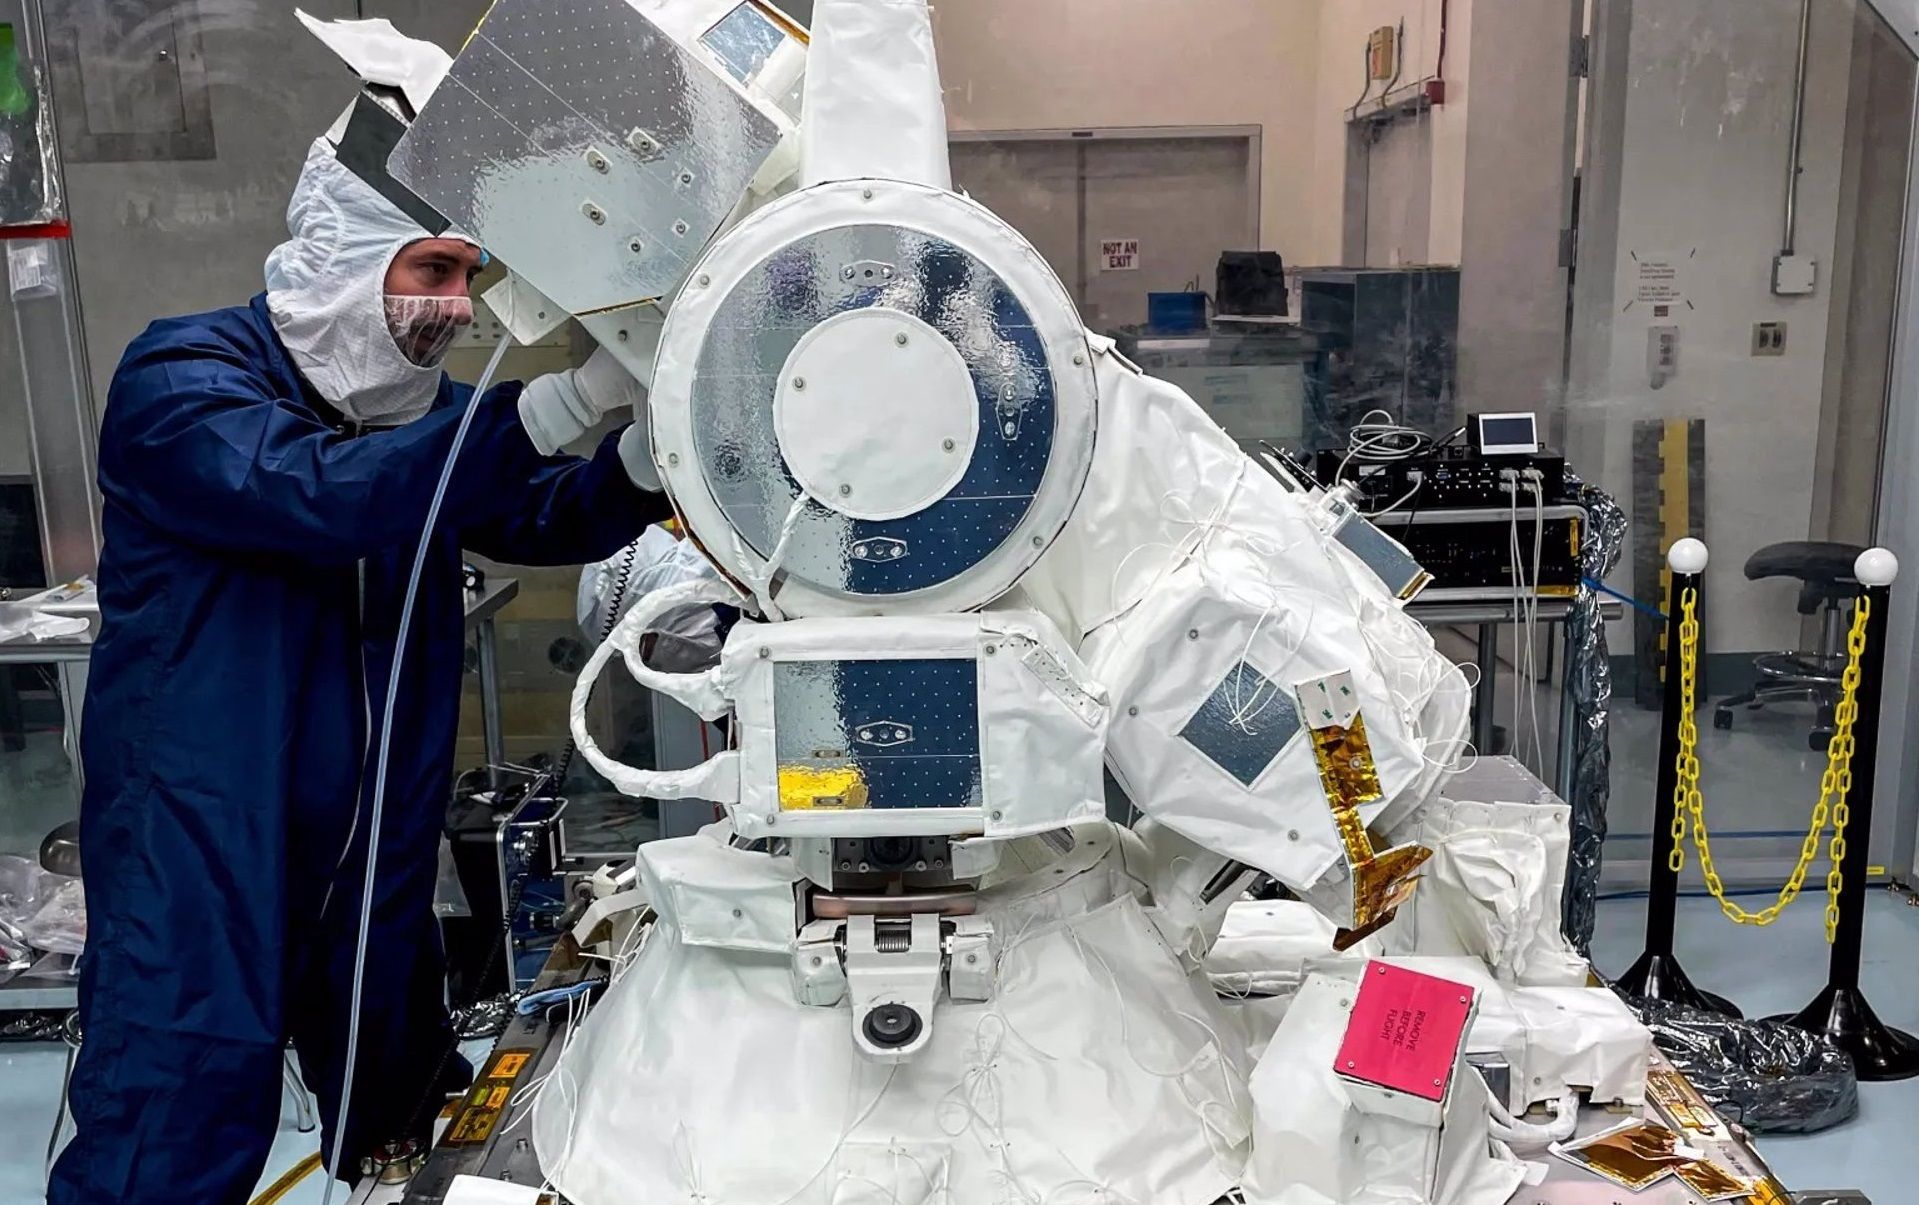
x=1507 y=432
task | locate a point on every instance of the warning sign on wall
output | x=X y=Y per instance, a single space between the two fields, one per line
x=1658 y=279
x=1119 y=254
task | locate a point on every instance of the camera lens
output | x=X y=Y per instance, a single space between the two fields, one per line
x=891 y=853
x=891 y=1026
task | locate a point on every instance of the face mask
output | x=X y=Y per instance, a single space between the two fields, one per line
x=424 y=327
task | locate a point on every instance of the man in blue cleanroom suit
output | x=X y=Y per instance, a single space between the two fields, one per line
x=267 y=470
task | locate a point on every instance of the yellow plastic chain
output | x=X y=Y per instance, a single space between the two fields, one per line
x=1834 y=785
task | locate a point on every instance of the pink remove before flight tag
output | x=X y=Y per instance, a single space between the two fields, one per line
x=1405 y=1032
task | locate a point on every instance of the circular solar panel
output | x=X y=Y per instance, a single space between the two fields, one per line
x=879 y=390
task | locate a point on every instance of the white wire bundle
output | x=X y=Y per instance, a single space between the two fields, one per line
x=1526 y=619
x=1377 y=439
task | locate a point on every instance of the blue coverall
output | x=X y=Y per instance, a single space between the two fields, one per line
x=255 y=561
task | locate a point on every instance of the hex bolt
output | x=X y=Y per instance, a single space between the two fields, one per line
x=1132 y=711
x=680 y=228
x=845 y=490
x=799 y=382
x=948 y=444
x=900 y=338
x=1192 y=633
x=635 y=245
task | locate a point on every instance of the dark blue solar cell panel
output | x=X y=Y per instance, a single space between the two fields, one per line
x=761 y=322
x=910 y=727
x=1244 y=724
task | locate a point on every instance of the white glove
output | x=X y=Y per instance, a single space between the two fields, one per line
x=558 y=408
x=636 y=453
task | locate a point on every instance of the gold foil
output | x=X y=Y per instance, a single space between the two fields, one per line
x=1769 y=1192
x=1712 y=1182
x=1346 y=768
x=1633 y=1156
x=805 y=788
x=1680 y=1105
x=1381 y=882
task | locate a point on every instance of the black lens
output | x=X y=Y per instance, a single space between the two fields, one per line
x=891 y=1026
x=890 y=853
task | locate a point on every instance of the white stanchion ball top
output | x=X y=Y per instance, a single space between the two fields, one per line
x=1876 y=567
x=1687 y=556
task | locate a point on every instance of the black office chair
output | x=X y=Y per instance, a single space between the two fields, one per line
x=1827 y=585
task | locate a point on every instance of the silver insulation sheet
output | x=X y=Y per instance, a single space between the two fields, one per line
x=1590 y=680
x=586 y=148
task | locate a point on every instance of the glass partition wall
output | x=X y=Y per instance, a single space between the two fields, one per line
x=1670 y=228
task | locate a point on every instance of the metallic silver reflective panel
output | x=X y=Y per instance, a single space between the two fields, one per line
x=739 y=370
x=587 y=149
x=877 y=734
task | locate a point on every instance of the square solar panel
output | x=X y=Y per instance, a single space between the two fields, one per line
x=877 y=734
x=1244 y=724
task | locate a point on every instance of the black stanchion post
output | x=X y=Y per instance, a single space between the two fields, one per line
x=1657 y=975
x=1878 y=1051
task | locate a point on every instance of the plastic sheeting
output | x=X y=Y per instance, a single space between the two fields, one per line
x=39 y=910
x=1590 y=677
x=29 y=154
x=1768 y=1076
x=701 y=1077
x=656 y=560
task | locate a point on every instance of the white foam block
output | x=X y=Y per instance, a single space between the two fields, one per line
x=472 y=1190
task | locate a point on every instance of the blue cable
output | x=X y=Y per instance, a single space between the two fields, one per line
x=536 y=1001
x=1595 y=584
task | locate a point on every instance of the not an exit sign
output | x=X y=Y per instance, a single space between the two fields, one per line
x=1119 y=254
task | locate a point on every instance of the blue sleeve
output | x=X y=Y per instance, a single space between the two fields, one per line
x=569 y=511
x=198 y=441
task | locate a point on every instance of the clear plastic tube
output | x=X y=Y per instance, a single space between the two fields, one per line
x=380 y=763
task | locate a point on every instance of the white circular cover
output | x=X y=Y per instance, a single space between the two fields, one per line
x=876 y=414
x=756 y=470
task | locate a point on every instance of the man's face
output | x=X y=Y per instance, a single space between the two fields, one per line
x=426 y=296
x=433 y=267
